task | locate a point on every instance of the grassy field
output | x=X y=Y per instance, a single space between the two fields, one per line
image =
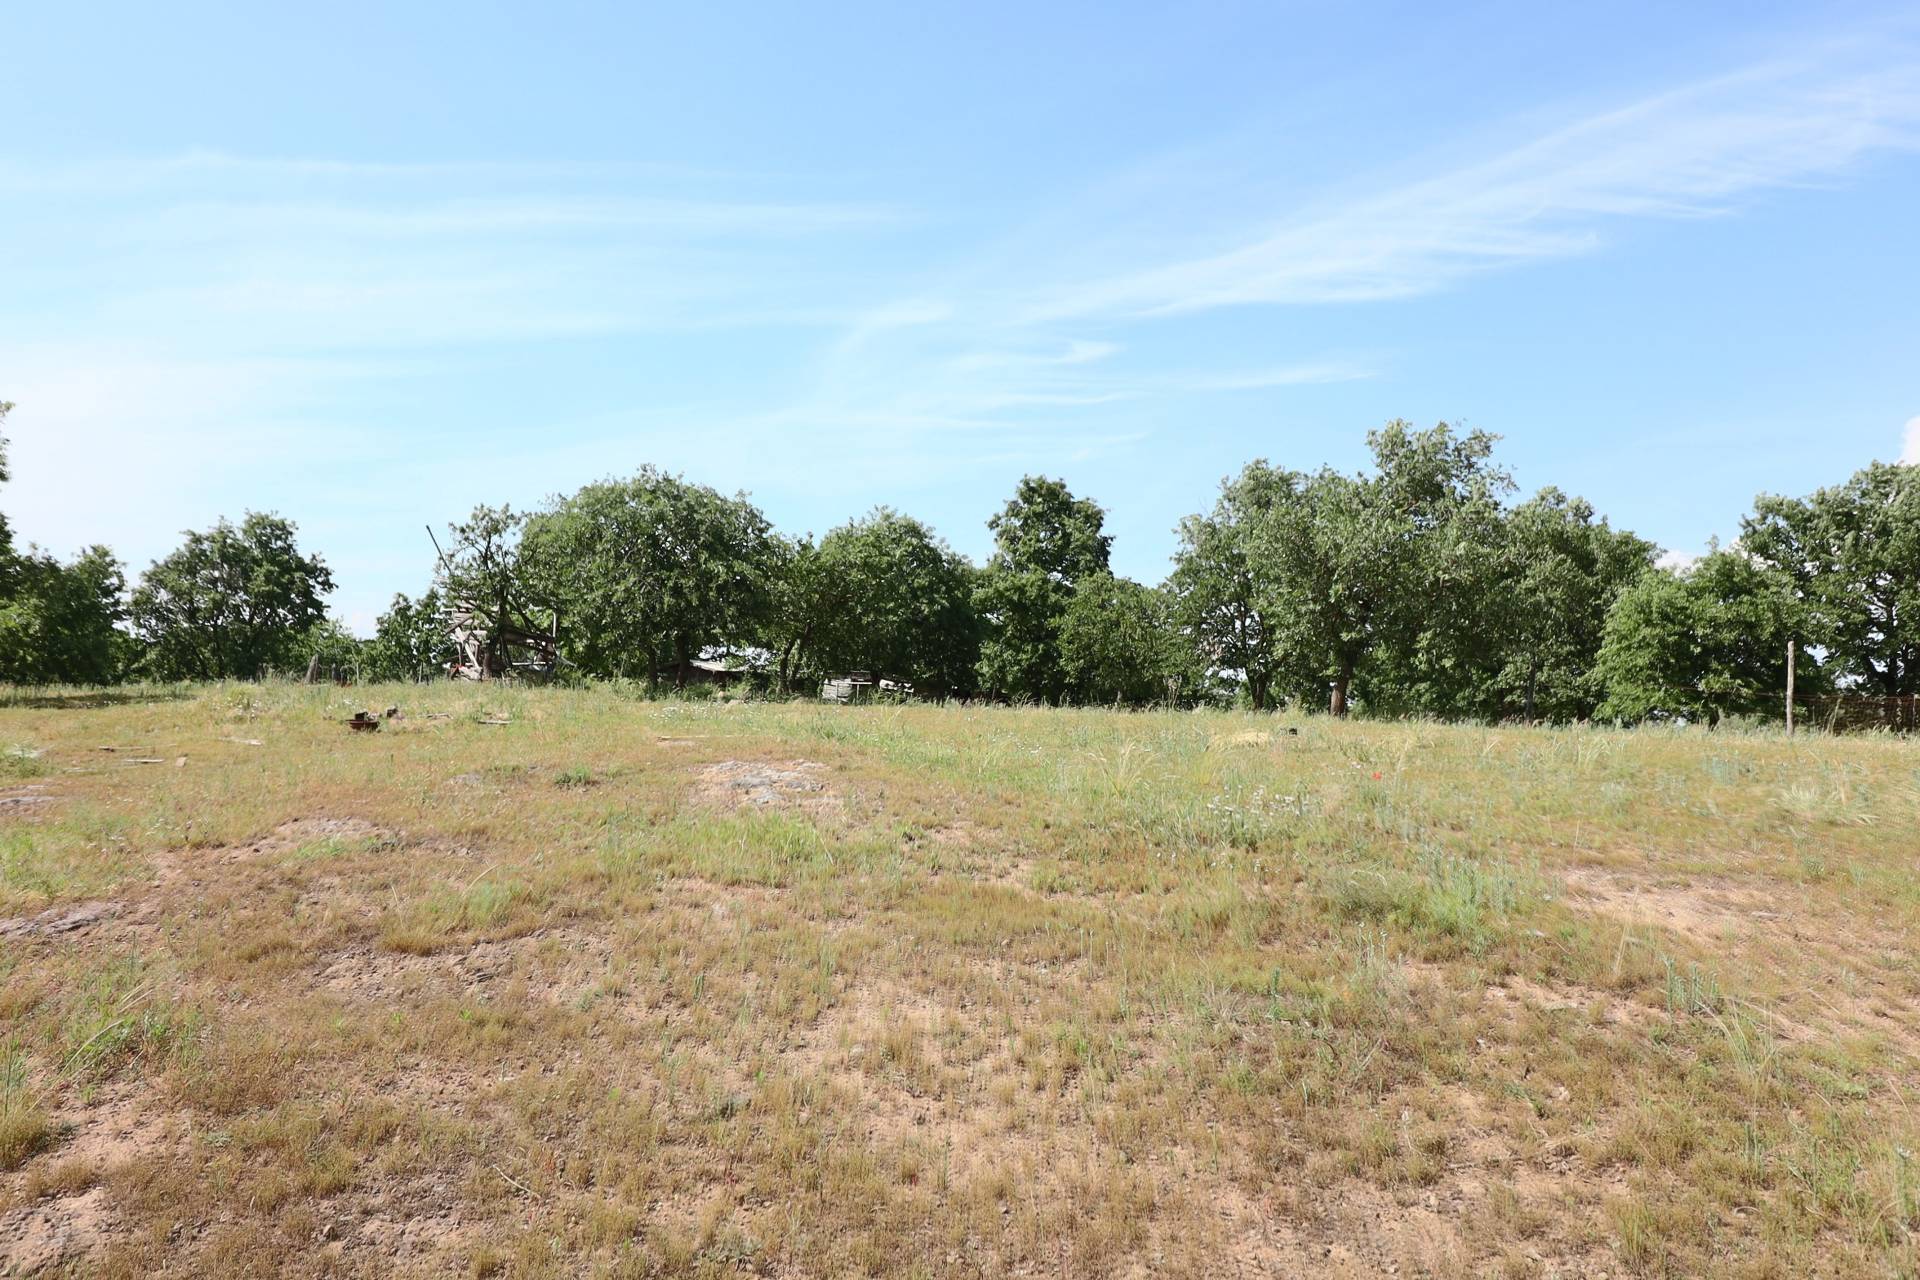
x=628 y=988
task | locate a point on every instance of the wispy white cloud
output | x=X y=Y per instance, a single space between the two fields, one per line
x=1029 y=327
x=505 y=216
x=1910 y=447
x=1298 y=375
x=1075 y=351
x=266 y=257
x=1690 y=152
x=197 y=167
x=128 y=444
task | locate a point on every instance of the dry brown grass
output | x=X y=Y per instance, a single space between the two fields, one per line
x=622 y=988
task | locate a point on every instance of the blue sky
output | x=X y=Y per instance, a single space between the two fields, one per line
x=369 y=265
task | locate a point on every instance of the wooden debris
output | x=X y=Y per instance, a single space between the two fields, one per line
x=362 y=722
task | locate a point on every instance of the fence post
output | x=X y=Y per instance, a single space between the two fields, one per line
x=1790 y=651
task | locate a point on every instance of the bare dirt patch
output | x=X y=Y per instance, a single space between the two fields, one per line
x=74 y=1223
x=918 y=1068
x=414 y=1221
x=560 y=967
x=114 y=1130
x=1603 y=1007
x=1858 y=975
x=36 y=1238
x=301 y=832
x=760 y=784
x=1248 y=738
x=1707 y=911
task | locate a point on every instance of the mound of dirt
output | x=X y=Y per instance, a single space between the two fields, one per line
x=289 y=836
x=25 y=799
x=762 y=784
x=58 y=920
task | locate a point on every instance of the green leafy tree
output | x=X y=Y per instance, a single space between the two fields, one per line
x=1852 y=554
x=411 y=641
x=1308 y=580
x=231 y=603
x=804 y=595
x=1392 y=562
x=331 y=651
x=1046 y=541
x=896 y=600
x=61 y=622
x=1044 y=529
x=1564 y=569
x=1513 y=626
x=1119 y=643
x=1224 y=596
x=1701 y=644
x=652 y=572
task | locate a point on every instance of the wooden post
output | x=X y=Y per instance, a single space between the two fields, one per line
x=1791 y=647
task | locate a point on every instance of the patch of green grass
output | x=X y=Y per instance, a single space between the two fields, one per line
x=120 y=1015
x=1444 y=895
x=18 y=762
x=25 y=1127
x=449 y=914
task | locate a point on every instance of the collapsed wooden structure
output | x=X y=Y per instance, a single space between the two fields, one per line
x=495 y=634
x=859 y=686
x=493 y=647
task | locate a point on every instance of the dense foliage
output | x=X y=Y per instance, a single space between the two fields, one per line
x=1417 y=586
x=1705 y=643
x=235 y=602
x=895 y=600
x=1046 y=543
x=60 y=623
x=652 y=572
x=1852 y=553
x=411 y=641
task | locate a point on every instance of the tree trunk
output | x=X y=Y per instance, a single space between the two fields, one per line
x=1533 y=677
x=786 y=665
x=1337 y=703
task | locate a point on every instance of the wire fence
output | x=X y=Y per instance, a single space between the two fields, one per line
x=1854 y=712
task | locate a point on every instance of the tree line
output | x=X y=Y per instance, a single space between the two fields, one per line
x=1420 y=585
